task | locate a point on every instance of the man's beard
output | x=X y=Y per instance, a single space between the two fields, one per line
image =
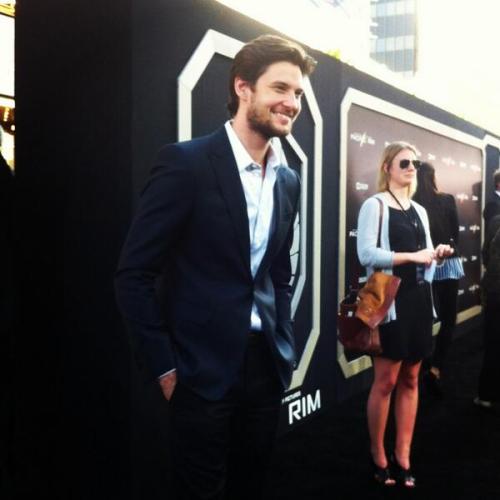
x=264 y=127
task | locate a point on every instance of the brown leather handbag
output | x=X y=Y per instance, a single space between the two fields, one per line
x=361 y=311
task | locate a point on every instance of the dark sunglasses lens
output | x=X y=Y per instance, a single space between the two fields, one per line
x=406 y=163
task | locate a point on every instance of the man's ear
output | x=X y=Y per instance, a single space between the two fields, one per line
x=242 y=88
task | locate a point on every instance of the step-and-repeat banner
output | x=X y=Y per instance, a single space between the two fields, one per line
x=368 y=125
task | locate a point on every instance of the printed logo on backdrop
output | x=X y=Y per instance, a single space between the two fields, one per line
x=362 y=139
x=299 y=405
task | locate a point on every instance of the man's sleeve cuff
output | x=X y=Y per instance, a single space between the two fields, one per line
x=167 y=373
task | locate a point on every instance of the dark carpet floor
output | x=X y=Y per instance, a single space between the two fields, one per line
x=456 y=448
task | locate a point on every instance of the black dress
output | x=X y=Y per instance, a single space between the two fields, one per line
x=409 y=337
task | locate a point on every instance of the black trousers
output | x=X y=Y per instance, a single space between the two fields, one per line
x=221 y=449
x=489 y=377
x=445 y=295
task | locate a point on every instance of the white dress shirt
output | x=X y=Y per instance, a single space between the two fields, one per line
x=259 y=196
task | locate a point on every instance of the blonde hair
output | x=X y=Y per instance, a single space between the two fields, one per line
x=388 y=155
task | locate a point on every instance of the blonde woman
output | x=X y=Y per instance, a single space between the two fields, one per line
x=405 y=250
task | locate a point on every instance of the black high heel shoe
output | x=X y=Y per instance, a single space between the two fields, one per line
x=382 y=475
x=404 y=477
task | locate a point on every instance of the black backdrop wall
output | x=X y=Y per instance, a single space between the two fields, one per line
x=96 y=95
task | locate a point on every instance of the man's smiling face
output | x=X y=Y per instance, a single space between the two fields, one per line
x=275 y=100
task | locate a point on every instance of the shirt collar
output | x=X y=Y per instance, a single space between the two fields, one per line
x=497 y=193
x=275 y=158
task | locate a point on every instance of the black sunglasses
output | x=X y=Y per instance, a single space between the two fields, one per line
x=406 y=163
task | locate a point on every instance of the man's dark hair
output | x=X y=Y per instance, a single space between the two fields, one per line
x=257 y=55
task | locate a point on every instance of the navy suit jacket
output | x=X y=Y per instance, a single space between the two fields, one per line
x=190 y=236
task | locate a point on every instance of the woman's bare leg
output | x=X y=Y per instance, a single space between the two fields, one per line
x=406 y=404
x=386 y=373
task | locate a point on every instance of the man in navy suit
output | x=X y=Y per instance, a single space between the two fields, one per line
x=216 y=221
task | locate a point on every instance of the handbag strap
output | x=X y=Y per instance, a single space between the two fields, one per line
x=381 y=207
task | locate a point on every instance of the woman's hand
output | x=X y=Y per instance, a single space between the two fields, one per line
x=424 y=256
x=442 y=251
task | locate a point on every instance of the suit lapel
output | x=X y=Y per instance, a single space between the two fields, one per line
x=228 y=178
x=277 y=229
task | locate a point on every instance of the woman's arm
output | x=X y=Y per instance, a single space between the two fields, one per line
x=368 y=226
x=424 y=256
x=453 y=219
